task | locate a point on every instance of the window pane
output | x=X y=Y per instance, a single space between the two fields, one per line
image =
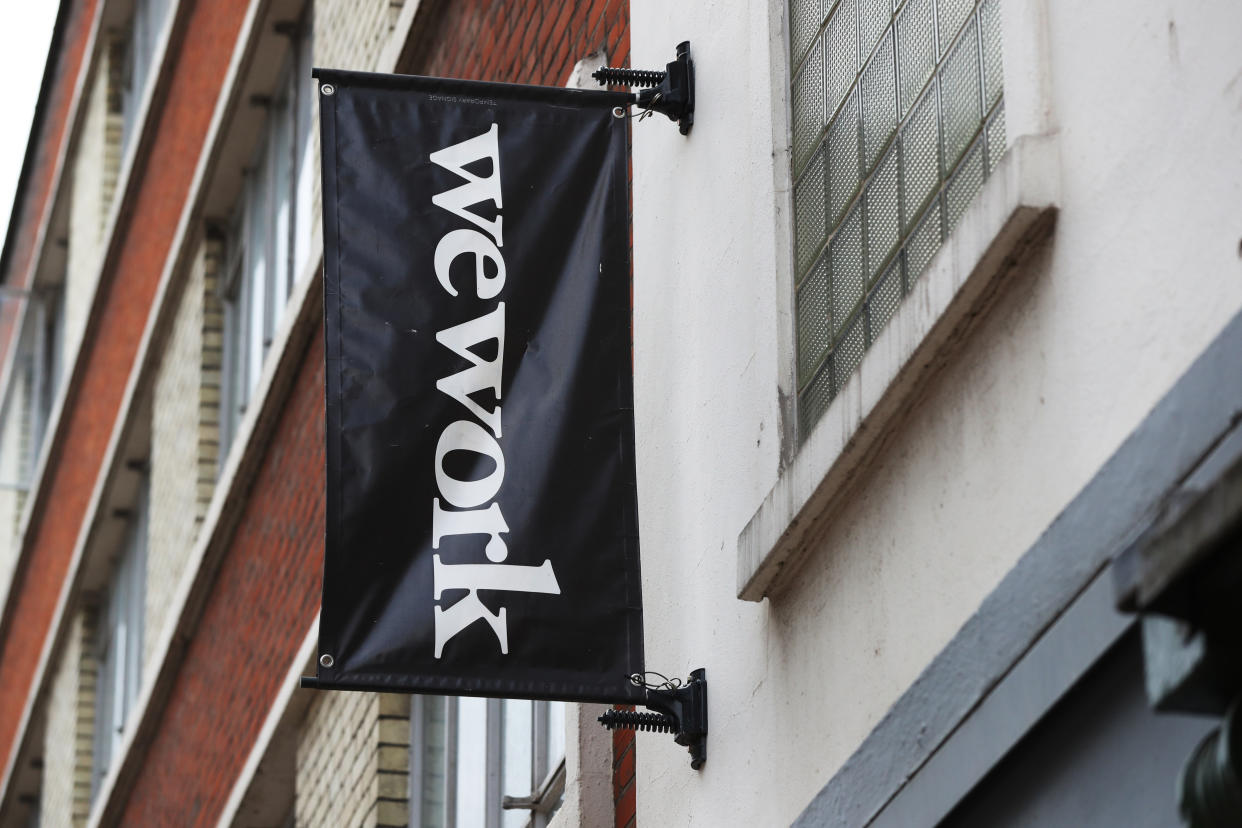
x=119 y=642
x=282 y=203
x=556 y=735
x=916 y=44
x=517 y=771
x=234 y=379
x=990 y=26
x=847 y=271
x=146 y=26
x=920 y=156
x=884 y=297
x=881 y=215
x=808 y=108
x=878 y=88
x=103 y=707
x=996 y=137
x=810 y=196
x=135 y=600
x=304 y=174
x=951 y=14
x=843 y=176
x=841 y=53
x=873 y=18
x=471 y=766
x=255 y=278
x=805 y=16
x=814 y=319
x=120 y=692
x=53 y=349
x=433 y=762
x=960 y=97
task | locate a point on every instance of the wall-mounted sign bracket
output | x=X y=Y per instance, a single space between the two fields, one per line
x=681 y=710
x=670 y=92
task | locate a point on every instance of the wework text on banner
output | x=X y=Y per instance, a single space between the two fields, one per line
x=482 y=519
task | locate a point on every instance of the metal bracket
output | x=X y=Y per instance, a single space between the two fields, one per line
x=671 y=92
x=682 y=711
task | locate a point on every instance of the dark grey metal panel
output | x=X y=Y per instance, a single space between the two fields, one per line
x=1104 y=518
x=1045 y=674
x=1101 y=758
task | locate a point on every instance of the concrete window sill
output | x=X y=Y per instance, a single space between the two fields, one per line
x=1012 y=213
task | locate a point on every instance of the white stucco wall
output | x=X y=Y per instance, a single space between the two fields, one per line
x=1142 y=271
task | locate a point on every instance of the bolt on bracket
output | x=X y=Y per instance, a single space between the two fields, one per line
x=681 y=710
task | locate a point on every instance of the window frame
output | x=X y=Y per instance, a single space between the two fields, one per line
x=547 y=781
x=259 y=279
x=853 y=322
x=35 y=382
x=1012 y=210
x=120 y=620
x=145 y=32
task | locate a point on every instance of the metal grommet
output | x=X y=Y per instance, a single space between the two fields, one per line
x=326 y=660
x=327 y=89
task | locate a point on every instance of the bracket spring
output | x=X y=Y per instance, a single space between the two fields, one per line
x=670 y=92
x=630 y=720
x=628 y=77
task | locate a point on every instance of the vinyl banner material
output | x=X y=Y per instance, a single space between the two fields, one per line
x=482 y=533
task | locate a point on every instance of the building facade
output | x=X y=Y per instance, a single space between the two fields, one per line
x=162 y=513
x=937 y=397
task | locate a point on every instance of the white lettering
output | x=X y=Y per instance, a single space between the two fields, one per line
x=459 y=243
x=467 y=435
x=473 y=577
x=487 y=521
x=481 y=374
x=476 y=189
x=464 y=435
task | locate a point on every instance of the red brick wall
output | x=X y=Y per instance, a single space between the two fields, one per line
x=267 y=591
x=624 y=786
x=522 y=41
x=263 y=600
x=110 y=347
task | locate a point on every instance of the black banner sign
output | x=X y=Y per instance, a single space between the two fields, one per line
x=482 y=533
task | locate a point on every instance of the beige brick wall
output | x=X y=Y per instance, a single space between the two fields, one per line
x=353 y=761
x=69 y=739
x=349 y=34
x=212 y=365
x=184 y=438
x=94 y=169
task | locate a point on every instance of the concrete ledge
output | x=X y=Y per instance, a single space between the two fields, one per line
x=1011 y=215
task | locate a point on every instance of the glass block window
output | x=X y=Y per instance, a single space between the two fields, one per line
x=898 y=118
